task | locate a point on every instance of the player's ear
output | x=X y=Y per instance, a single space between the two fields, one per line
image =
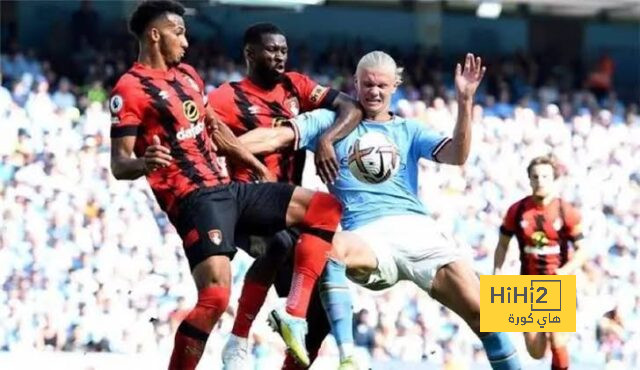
x=154 y=34
x=249 y=53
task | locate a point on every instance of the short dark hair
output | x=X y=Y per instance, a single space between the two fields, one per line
x=253 y=34
x=543 y=160
x=150 y=10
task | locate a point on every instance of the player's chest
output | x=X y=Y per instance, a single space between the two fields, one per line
x=176 y=103
x=271 y=110
x=541 y=225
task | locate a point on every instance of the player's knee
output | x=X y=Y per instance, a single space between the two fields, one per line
x=323 y=211
x=535 y=352
x=214 y=296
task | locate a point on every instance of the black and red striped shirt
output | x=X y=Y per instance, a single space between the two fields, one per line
x=244 y=106
x=147 y=102
x=543 y=232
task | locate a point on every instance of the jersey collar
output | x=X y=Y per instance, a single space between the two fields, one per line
x=169 y=74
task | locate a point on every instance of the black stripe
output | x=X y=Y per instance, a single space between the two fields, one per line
x=288 y=85
x=277 y=110
x=193 y=332
x=167 y=121
x=185 y=71
x=329 y=98
x=325 y=235
x=242 y=101
x=249 y=121
x=200 y=143
x=122 y=131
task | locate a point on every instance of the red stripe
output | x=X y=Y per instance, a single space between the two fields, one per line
x=191 y=238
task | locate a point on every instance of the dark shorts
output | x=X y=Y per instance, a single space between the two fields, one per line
x=213 y=221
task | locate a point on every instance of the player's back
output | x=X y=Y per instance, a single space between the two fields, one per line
x=149 y=102
x=244 y=106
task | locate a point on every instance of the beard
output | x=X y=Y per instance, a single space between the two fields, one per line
x=269 y=75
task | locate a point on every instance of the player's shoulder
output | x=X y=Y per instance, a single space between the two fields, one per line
x=222 y=92
x=187 y=68
x=522 y=203
x=296 y=76
x=127 y=85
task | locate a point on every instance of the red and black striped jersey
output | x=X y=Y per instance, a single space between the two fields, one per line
x=244 y=106
x=170 y=104
x=543 y=233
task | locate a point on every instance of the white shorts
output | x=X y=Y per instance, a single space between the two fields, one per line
x=408 y=247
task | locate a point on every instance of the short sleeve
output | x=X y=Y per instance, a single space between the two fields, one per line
x=426 y=143
x=572 y=222
x=312 y=95
x=310 y=126
x=126 y=107
x=509 y=223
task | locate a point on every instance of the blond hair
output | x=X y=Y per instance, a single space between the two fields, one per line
x=379 y=59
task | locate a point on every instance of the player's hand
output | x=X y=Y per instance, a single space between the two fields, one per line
x=468 y=78
x=326 y=161
x=156 y=155
x=267 y=176
x=211 y=119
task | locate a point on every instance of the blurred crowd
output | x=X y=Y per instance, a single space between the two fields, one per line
x=88 y=263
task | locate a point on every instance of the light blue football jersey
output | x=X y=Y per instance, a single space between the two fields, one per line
x=363 y=202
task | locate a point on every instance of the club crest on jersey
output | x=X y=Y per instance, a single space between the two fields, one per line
x=190 y=110
x=115 y=104
x=316 y=93
x=216 y=236
x=294 y=106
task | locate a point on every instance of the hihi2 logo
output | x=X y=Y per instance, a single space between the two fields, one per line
x=527 y=303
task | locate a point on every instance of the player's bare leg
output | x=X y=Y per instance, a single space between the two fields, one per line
x=317 y=215
x=456 y=286
x=213 y=281
x=559 y=353
x=536 y=344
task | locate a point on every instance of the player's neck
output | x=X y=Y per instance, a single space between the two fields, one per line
x=152 y=60
x=261 y=82
x=383 y=116
x=545 y=200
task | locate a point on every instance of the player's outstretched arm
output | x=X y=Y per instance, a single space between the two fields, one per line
x=267 y=140
x=500 y=253
x=349 y=115
x=229 y=145
x=467 y=80
x=125 y=167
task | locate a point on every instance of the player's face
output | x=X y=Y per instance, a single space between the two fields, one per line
x=270 y=57
x=375 y=87
x=172 y=38
x=541 y=180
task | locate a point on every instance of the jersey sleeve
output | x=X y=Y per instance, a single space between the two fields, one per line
x=509 y=223
x=426 y=143
x=127 y=110
x=308 y=127
x=572 y=222
x=312 y=95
